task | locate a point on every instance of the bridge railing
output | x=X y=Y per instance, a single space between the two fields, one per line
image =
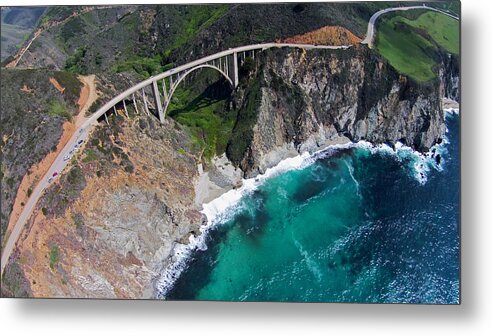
x=152 y=81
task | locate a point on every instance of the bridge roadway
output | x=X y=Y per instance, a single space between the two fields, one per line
x=371 y=29
x=81 y=135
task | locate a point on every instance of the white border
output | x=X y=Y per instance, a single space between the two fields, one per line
x=473 y=317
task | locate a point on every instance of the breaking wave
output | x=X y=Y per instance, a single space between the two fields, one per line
x=224 y=207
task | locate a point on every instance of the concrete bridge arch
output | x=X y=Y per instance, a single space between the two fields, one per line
x=168 y=96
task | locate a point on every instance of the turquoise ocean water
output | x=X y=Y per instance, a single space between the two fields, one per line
x=357 y=225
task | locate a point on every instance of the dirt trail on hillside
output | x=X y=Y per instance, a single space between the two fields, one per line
x=88 y=95
x=17 y=57
x=57 y=85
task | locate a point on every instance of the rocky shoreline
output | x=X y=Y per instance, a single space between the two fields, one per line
x=331 y=94
x=226 y=177
x=305 y=98
x=135 y=196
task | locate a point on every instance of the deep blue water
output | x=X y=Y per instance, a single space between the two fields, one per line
x=354 y=226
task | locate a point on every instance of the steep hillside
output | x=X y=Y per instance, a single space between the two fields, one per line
x=17 y=23
x=147 y=39
x=106 y=228
x=298 y=101
x=34 y=112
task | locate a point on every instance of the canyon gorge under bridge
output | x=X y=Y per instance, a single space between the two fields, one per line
x=148 y=92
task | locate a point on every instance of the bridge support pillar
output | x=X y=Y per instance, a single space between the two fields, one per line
x=226 y=66
x=135 y=103
x=157 y=98
x=164 y=90
x=236 y=73
x=145 y=102
x=126 y=111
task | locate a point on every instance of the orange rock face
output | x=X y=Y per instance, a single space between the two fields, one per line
x=328 y=35
x=115 y=238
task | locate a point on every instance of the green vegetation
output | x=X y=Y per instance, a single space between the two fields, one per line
x=144 y=66
x=210 y=129
x=54 y=256
x=90 y=155
x=71 y=84
x=30 y=143
x=441 y=28
x=196 y=18
x=451 y=6
x=78 y=221
x=60 y=12
x=17 y=24
x=413 y=46
x=56 y=108
x=72 y=28
x=246 y=119
x=24 y=39
x=74 y=64
x=57 y=198
x=95 y=106
x=14 y=283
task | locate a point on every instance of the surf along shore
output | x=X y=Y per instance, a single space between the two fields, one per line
x=221 y=186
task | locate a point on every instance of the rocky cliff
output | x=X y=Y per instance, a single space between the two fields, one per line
x=108 y=226
x=299 y=100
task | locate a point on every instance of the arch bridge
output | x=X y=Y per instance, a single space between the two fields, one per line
x=148 y=92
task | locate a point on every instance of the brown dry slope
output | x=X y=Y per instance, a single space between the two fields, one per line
x=87 y=96
x=106 y=228
x=328 y=35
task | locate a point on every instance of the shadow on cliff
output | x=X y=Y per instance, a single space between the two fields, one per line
x=198 y=312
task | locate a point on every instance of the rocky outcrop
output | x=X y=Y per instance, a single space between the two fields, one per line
x=109 y=234
x=309 y=99
x=108 y=226
x=449 y=76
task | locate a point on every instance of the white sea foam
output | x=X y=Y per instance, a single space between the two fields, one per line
x=223 y=207
x=217 y=211
x=310 y=261
x=451 y=111
x=351 y=172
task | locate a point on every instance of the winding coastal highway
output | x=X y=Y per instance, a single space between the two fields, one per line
x=82 y=133
x=371 y=29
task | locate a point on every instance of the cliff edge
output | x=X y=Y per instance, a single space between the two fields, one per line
x=297 y=100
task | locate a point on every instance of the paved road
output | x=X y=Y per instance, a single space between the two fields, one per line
x=82 y=133
x=371 y=30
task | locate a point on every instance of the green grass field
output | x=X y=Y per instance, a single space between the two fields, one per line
x=412 y=46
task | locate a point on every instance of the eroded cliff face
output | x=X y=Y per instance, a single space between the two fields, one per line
x=309 y=99
x=449 y=76
x=106 y=228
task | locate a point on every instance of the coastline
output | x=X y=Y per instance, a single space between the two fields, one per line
x=221 y=187
x=218 y=189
